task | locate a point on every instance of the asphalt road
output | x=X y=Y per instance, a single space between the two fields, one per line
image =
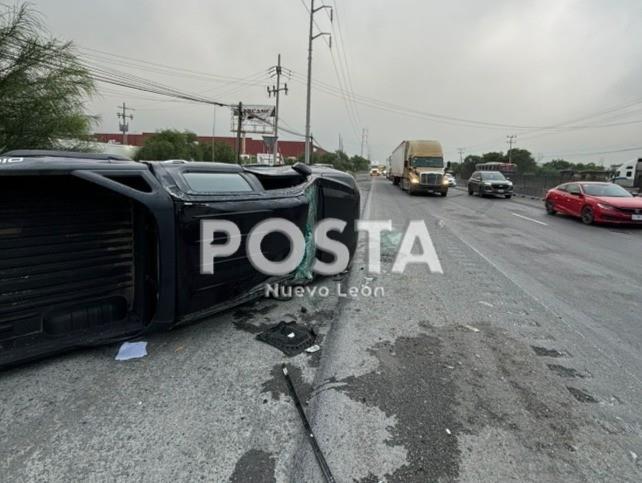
x=520 y=362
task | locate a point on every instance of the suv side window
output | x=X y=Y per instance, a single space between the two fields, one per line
x=212 y=182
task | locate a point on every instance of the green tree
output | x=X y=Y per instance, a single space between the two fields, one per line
x=469 y=165
x=171 y=144
x=358 y=163
x=223 y=153
x=523 y=159
x=493 y=157
x=43 y=85
x=557 y=165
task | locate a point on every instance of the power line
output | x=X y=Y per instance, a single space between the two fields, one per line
x=342 y=75
x=343 y=53
x=594 y=153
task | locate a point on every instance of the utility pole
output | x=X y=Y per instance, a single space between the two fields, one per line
x=461 y=155
x=340 y=143
x=311 y=38
x=213 y=134
x=238 y=132
x=124 y=125
x=276 y=91
x=511 y=141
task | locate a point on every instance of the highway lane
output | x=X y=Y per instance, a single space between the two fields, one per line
x=520 y=362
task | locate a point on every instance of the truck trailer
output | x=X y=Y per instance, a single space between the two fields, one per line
x=418 y=167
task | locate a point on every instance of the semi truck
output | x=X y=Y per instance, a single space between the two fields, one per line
x=629 y=175
x=418 y=167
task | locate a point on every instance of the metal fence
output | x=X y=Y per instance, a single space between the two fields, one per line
x=535 y=184
x=531 y=184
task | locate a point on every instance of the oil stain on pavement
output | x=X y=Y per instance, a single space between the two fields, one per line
x=255 y=466
x=413 y=385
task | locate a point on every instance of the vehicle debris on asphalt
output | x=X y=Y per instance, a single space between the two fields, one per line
x=289 y=337
x=131 y=350
x=325 y=469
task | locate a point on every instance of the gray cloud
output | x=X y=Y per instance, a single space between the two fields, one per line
x=528 y=63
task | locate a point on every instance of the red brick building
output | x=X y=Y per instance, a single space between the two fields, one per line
x=251 y=147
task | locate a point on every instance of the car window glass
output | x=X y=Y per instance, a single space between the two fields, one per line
x=563 y=187
x=217 y=182
x=573 y=189
x=607 y=189
x=493 y=176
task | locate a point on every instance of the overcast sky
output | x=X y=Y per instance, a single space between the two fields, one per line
x=530 y=63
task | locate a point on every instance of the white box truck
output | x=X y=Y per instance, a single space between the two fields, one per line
x=418 y=167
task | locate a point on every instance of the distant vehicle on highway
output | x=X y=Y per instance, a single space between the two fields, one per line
x=374 y=172
x=629 y=174
x=595 y=202
x=418 y=166
x=452 y=182
x=490 y=183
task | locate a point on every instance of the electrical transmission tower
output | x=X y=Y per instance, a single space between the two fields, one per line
x=364 y=141
x=461 y=155
x=124 y=125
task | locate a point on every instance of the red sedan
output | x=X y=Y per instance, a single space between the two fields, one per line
x=595 y=202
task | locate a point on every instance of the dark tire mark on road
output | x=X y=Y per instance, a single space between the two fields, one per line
x=544 y=352
x=581 y=396
x=563 y=371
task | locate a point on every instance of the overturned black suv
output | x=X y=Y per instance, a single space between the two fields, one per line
x=97 y=248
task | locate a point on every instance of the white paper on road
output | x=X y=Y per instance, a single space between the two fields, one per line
x=131 y=350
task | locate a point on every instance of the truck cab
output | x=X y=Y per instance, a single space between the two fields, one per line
x=629 y=175
x=418 y=167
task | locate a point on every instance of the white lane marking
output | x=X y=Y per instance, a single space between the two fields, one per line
x=368 y=209
x=529 y=219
